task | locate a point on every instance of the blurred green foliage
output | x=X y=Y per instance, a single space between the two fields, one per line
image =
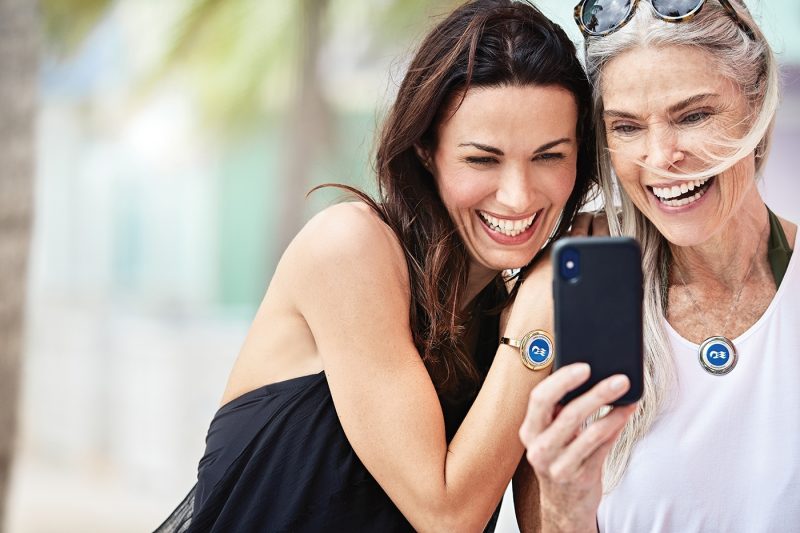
x=66 y=23
x=240 y=54
x=244 y=57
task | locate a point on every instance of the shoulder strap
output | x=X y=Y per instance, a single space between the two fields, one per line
x=779 y=253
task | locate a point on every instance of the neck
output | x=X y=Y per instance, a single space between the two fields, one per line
x=477 y=280
x=727 y=257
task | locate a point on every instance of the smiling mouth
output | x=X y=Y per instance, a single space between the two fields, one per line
x=684 y=194
x=510 y=228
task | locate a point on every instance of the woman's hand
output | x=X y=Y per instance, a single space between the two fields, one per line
x=593 y=224
x=566 y=456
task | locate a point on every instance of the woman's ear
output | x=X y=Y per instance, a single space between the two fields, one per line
x=424 y=157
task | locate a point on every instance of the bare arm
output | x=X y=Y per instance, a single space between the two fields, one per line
x=351 y=287
x=526 y=498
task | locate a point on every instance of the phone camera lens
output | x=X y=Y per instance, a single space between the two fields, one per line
x=569 y=264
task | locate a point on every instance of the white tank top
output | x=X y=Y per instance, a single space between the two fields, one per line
x=725 y=454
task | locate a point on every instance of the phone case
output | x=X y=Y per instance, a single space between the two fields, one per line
x=598 y=309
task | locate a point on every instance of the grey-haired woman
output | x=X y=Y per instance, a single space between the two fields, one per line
x=686 y=95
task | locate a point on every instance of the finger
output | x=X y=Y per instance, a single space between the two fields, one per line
x=544 y=398
x=542 y=408
x=591 y=442
x=570 y=420
x=550 y=451
x=581 y=225
x=593 y=465
x=600 y=225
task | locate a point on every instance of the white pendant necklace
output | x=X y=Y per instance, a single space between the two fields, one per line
x=717 y=354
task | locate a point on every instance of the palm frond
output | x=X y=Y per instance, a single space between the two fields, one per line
x=66 y=23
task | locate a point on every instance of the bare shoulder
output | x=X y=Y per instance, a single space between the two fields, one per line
x=353 y=224
x=348 y=242
x=345 y=264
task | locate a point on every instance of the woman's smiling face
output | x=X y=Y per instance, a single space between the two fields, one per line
x=505 y=166
x=669 y=108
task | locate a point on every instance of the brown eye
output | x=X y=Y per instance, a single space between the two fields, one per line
x=549 y=156
x=480 y=160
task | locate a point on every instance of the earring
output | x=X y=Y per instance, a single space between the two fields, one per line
x=424 y=157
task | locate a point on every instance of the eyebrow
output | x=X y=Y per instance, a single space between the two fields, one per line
x=683 y=104
x=497 y=151
x=484 y=147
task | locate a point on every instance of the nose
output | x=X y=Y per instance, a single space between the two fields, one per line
x=516 y=190
x=662 y=148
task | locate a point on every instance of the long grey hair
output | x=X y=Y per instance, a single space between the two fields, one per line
x=751 y=65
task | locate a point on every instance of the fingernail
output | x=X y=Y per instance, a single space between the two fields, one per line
x=618 y=382
x=580 y=369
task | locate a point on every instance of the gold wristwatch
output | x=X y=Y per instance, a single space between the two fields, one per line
x=536 y=348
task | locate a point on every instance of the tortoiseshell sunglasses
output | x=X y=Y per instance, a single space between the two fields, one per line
x=597 y=18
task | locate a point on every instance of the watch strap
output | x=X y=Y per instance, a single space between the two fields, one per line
x=536 y=348
x=514 y=343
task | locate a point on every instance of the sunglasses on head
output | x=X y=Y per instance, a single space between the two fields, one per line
x=597 y=18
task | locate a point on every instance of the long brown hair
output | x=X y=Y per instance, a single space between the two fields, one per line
x=483 y=43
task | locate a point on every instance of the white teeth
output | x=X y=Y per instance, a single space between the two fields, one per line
x=666 y=193
x=684 y=201
x=512 y=228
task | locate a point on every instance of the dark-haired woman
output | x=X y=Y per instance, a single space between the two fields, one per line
x=371 y=393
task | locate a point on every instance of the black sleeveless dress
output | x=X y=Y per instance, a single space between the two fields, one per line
x=277 y=459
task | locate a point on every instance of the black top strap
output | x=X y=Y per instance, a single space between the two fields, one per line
x=779 y=252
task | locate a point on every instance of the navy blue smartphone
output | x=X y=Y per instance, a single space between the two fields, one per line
x=597 y=292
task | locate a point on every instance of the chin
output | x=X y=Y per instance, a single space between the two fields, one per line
x=512 y=262
x=682 y=234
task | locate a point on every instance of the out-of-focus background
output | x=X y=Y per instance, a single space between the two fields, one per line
x=175 y=141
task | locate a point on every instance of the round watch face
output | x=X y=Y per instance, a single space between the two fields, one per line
x=536 y=350
x=717 y=355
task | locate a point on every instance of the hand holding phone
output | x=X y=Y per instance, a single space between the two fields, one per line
x=597 y=292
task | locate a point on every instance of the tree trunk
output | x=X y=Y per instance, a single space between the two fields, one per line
x=18 y=97
x=309 y=123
